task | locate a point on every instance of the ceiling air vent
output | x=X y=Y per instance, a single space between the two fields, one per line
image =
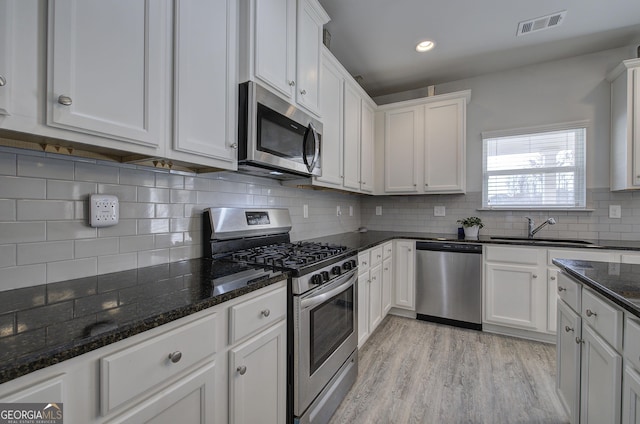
x=542 y=23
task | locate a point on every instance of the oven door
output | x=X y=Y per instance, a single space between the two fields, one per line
x=325 y=335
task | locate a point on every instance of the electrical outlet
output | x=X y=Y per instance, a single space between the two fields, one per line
x=439 y=211
x=338 y=211
x=305 y=211
x=104 y=210
x=615 y=211
x=350 y=210
x=378 y=210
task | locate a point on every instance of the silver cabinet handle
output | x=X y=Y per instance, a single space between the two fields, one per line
x=64 y=100
x=292 y=83
x=303 y=92
x=567 y=329
x=241 y=369
x=553 y=278
x=579 y=340
x=561 y=289
x=234 y=146
x=175 y=356
x=373 y=278
x=379 y=256
x=409 y=250
x=266 y=313
x=3 y=81
x=386 y=269
x=364 y=262
x=535 y=276
x=590 y=313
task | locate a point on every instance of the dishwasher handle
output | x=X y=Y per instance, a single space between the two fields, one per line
x=449 y=247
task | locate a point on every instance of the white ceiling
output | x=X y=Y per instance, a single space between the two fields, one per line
x=376 y=38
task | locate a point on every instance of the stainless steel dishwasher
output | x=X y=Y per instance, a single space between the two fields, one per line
x=449 y=283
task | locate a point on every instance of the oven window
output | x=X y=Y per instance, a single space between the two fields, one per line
x=331 y=323
x=278 y=134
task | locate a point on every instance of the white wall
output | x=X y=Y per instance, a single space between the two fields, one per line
x=566 y=90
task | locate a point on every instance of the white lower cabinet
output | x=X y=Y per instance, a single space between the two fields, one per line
x=405 y=278
x=375 y=296
x=387 y=285
x=257 y=375
x=568 y=360
x=631 y=396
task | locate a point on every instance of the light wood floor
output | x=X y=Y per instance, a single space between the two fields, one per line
x=412 y=371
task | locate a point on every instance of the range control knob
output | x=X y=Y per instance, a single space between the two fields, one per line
x=325 y=275
x=336 y=270
x=347 y=265
x=354 y=263
x=316 y=279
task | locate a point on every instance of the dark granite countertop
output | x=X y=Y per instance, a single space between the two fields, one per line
x=43 y=325
x=617 y=282
x=369 y=239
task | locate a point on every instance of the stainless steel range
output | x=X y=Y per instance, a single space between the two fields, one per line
x=323 y=302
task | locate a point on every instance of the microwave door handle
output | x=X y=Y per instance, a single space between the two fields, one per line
x=316 y=143
x=321 y=298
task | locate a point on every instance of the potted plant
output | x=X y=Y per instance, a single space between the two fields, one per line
x=471 y=226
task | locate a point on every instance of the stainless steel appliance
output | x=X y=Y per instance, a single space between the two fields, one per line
x=275 y=138
x=323 y=302
x=449 y=283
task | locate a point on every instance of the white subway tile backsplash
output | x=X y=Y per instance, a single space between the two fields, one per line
x=153 y=257
x=7 y=163
x=33 y=253
x=7 y=255
x=185 y=252
x=168 y=240
x=22 y=232
x=126 y=227
x=96 y=247
x=137 y=177
x=184 y=224
x=96 y=173
x=169 y=210
x=153 y=226
x=136 y=210
x=123 y=192
x=70 y=190
x=23 y=276
x=115 y=263
x=136 y=243
x=22 y=188
x=41 y=210
x=195 y=183
x=69 y=230
x=170 y=180
x=7 y=210
x=183 y=196
x=67 y=270
x=43 y=167
x=153 y=195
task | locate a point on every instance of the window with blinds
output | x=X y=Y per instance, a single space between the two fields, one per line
x=542 y=169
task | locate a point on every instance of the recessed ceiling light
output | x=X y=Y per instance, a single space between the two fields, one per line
x=425 y=46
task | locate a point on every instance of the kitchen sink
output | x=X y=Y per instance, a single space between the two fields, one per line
x=542 y=240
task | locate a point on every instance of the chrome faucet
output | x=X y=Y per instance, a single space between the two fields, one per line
x=532 y=231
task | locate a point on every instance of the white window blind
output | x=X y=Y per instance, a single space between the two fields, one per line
x=544 y=168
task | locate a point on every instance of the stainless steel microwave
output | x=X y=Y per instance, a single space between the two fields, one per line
x=275 y=138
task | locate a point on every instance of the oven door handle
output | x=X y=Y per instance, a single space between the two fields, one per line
x=321 y=298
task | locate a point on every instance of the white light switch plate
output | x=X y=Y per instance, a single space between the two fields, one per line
x=104 y=210
x=378 y=210
x=615 y=211
x=439 y=211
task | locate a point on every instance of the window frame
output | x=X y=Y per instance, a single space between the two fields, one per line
x=580 y=171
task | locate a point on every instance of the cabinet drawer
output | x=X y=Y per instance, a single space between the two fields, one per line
x=603 y=317
x=569 y=291
x=579 y=254
x=132 y=371
x=387 y=250
x=376 y=256
x=516 y=255
x=254 y=314
x=632 y=342
x=363 y=262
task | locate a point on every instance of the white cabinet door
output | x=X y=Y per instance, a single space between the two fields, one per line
x=366 y=147
x=375 y=297
x=515 y=295
x=274 y=44
x=109 y=69
x=552 y=299
x=311 y=18
x=601 y=384
x=405 y=278
x=331 y=109
x=6 y=52
x=444 y=147
x=191 y=400
x=387 y=285
x=351 y=164
x=204 y=82
x=363 y=307
x=634 y=93
x=258 y=378
x=402 y=146
x=568 y=361
x=631 y=396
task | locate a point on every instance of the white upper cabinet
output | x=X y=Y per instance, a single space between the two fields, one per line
x=204 y=85
x=281 y=48
x=424 y=145
x=6 y=72
x=109 y=69
x=625 y=125
x=352 y=110
x=367 y=127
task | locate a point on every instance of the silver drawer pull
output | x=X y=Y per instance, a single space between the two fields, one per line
x=175 y=356
x=3 y=81
x=303 y=92
x=589 y=313
x=242 y=369
x=579 y=340
x=535 y=276
x=561 y=289
x=64 y=100
x=567 y=329
x=266 y=313
x=553 y=278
